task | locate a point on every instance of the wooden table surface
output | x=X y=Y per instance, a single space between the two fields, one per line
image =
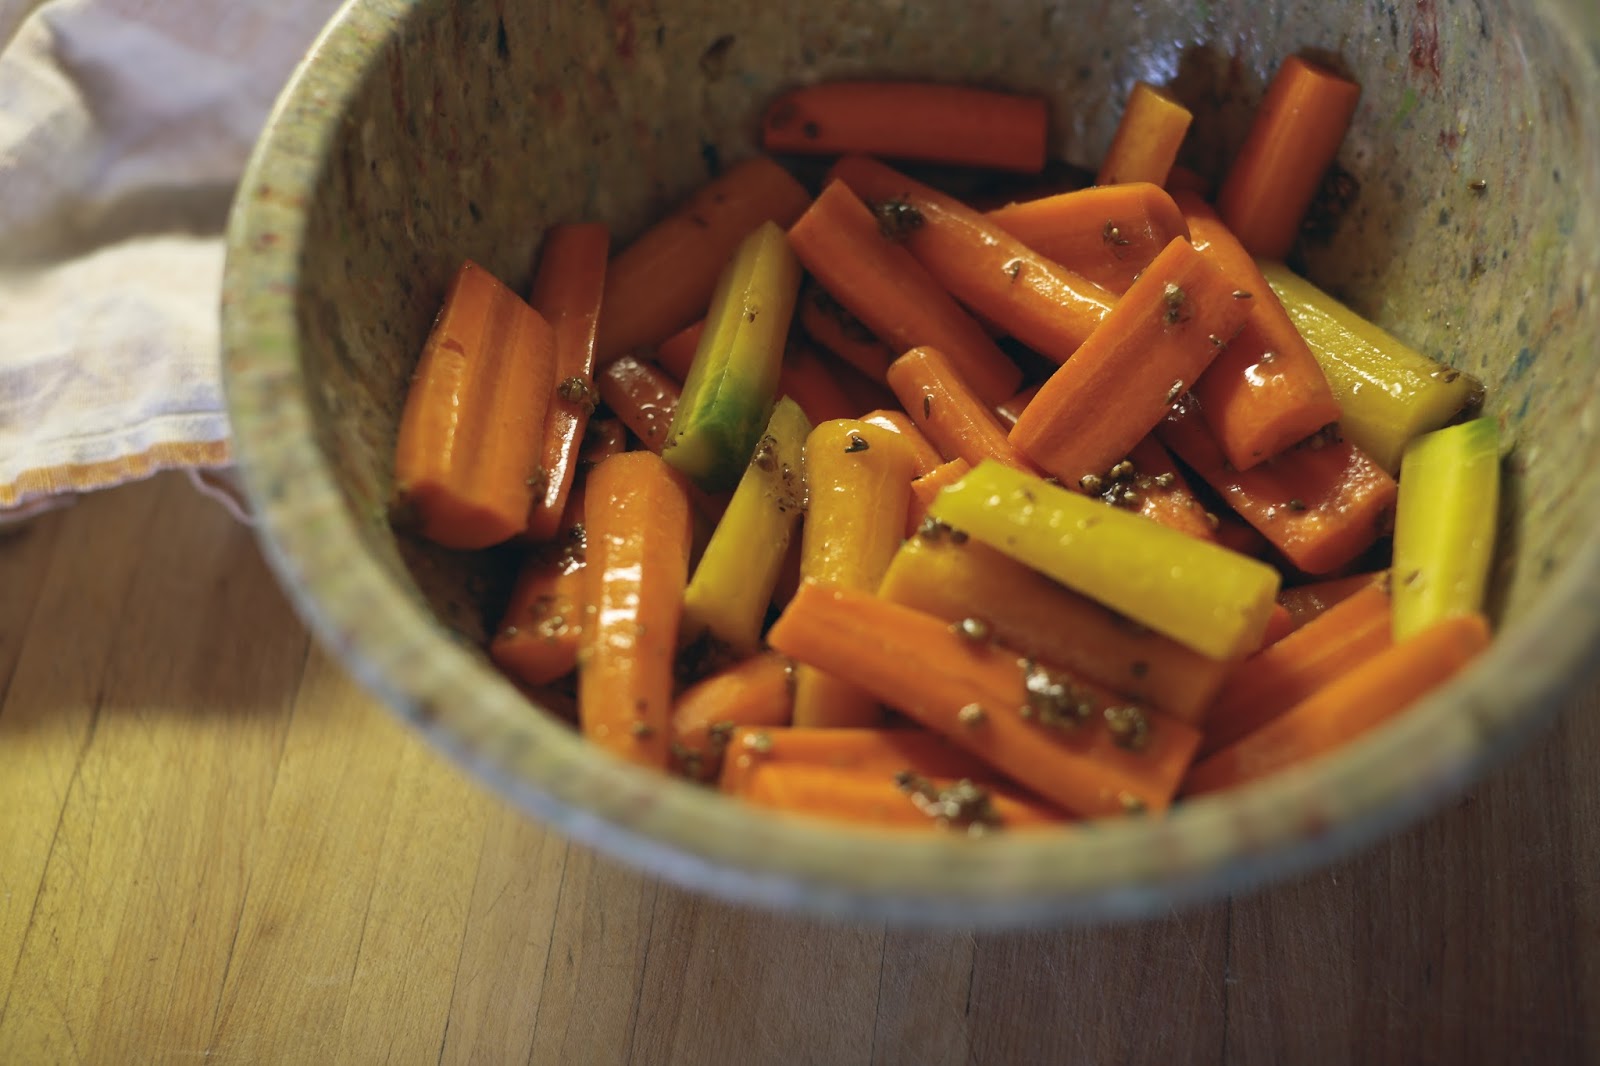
x=214 y=846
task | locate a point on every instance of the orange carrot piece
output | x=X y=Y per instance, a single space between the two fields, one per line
x=926 y=455
x=1305 y=602
x=1322 y=503
x=1295 y=136
x=1164 y=494
x=1115 y=759
x=873 y=751
x=1360 y=700
x=1156 y=342
x=642 y=396
x=891 y=293
x=949 y=413
x=1185 y=179
x=566 y=291
x=1009 y=411
x=675 y=355
x=637 y=519
x=1266 y=391
x=897 y=802
x=929 y=485
x=1036 y=300
x=756 y=692
x=1279 y=625
x=472 y=430
x=538 y=638
x=1108 y=233
x=602 y=438
x=1235 y=534
x=807 y=380
x=827 y=323
x=910 y=120
x=863 y=393
x=1147 y=140
x=664 y=279
x=1292 y=669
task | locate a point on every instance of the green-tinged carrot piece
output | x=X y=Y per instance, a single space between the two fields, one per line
x=1064 y=739
x=826 y=322
x=1322 y=503
x=664 y=280
x=734 y=579
x=1444 y=524
x=1305 y=602
x=1286 y=672
x=929 y=485
x=472 y=431
x=642 y=396
x=538 y=638
x=1147 y=140
x=1036 y=300
x=1207 y=598
x=637 y=520
x=1150 y=349
x=1362 y=699
x=870 y=751
x=675 y=355
x=891 y=293
x=566 y=290
x=926 y=455
x=897 y=801
x=944 y=574
x=756 y=692
x=808 y=381
x=1108 y=233
x=1296 y=134
x=948 y=412
x=734 y=378
x=920 y=121
x=1008 y=411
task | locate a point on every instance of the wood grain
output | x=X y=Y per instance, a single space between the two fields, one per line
x=213 y=846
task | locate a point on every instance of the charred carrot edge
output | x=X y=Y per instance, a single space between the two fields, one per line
x=1322 y=504
x=929 y=485
x=910 y=120
x=1295 y=136
x=642 y=396
x=926 y=455
x=566 y=291
x=1360 y=700
x=1036 y=300
x=1108 y=233
x=1162 y=492
x=877 y=751
x=949 y=413
x=1305 y=602
x=675 y=355
x=1069 y=742
x=809 y=382
x=1147 y=139
x=827 y=323
x=1008 y=411
x=756 y=692
x=891 y=293
x=539 y=635
x=664 y=279
x=1158 y=340
x=1294 y=668
x=636 y=514
x=1279 y=625
x=1266 y=391
x=472 y=429
x=900 y=801
x=1186 y=179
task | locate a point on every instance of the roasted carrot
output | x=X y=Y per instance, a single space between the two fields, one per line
x=538 y=638
x=642 y=396
x=1147 y=140
x=926 y=455
x=873 y=751
x=1266 y=391
x=929 y=485
x=1157 y=341
x=566 y=291
x=664 y=279
x=1008 y=411
x=1108 y=233
x=1295 y=667
x=1306 y=602
x=1292 y=141
x=910 y=120
x=899 y=801
x=756 y=692
x=1036 y=300
x=636 y=515
x=948 y=412
x=1360 y=700
x=954 y=578
x=891 y=293
x=1070 y=742
x=1322 y=503
x=827 y=323
x=675 y=355
x=472 y=430
x=807 y=380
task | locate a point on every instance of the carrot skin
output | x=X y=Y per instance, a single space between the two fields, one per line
x=756 y=692
x=1147 y=139
x=868 y=751
x=949 y=413
x=1306 y=602
x=809 y=382
x=642 y=396
x=928 y=486
x=827 y=323
x=1108 y=234
x=539 y=635
x=879 y=800
x=675 y=355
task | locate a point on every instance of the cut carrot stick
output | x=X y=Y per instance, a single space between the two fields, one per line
x=642 y=396
x=1070 y=742
x=1295 y=136
x=566 y=291
x=926 y=455
x=756 y=692
x=929 y=485
x=1186 y=179
x=953 y=578
x=1266 y=391
x=868 y=751
x=891 y=293
x=899 y=801
x=1292 y=669
x=1156 y=343
x=472 y=430
x=949 y=413
x=1361 y=700
x=675 y=355
x=602 y=438
x=1108 y=234
x=1036 y=300
x=1147 y=140
x=1010 y=410
x=1322 y=504
x=636 y=515
x=827 y=323
x=910 y=120
x=808 y=381
x=1279 y=625
x=663 y=280
x=538 y=638
x=1305 y=602
x=1160 y=491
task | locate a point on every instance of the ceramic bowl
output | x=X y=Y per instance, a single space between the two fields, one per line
x=419 y=133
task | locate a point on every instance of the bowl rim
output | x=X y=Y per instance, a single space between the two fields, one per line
x=402 y=653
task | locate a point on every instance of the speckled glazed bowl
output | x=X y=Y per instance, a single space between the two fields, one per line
x=417 y=133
